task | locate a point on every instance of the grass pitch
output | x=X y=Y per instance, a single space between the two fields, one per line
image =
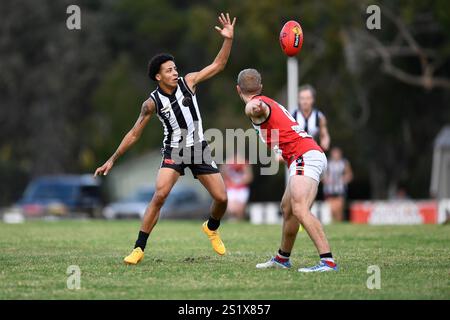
x=180 y=263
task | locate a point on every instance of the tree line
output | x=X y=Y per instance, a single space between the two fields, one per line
x=68 y=96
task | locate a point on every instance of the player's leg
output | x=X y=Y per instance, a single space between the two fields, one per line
x=333 y=206
x=303 y=192
x=216 y=187
x=239 y=210
x=329 y=202
x=289 y=234
x=237 y=202
x=205 y=170
x=232 y=205
x=304 y=179
x=241 y=203
x=339 y=208
x=290 y=229
x=290 y=224
x=165 y=180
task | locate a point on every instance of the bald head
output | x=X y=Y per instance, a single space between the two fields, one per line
x=249 y=81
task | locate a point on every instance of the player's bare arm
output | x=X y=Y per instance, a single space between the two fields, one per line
x=219 y=63
x=348 y=173
x=324 y=135
x=257 y=111
x=147 y=109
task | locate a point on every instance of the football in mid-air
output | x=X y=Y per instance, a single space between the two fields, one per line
x=291 y=38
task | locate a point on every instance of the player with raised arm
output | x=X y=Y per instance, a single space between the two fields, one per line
x=175 y=104
x=306 y=162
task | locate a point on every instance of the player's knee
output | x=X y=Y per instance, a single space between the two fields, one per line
x=301 y=212
x=221 y=198
x=159 y=198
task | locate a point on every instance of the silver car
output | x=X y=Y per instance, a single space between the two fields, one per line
x=182 y=203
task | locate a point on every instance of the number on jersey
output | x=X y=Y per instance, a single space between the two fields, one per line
x=296 y=128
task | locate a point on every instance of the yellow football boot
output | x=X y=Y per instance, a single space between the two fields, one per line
x=214 y=237
x=135 y=256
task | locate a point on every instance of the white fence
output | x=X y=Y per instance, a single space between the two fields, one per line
x=270 y=213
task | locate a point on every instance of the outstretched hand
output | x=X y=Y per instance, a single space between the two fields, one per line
x=227 y=29
x=104 y=169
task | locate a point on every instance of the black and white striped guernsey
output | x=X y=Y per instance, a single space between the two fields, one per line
x=311 y=124
x=180 y=116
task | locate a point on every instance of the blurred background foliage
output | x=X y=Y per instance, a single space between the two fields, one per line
x=68 y=97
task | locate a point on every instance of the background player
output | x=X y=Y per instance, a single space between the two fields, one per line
x=337 y=176
x=238 y=175
x=311 y=119
x=174 y=101
x=306 y=162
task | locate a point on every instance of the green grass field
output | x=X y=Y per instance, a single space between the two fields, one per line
x=180 y=264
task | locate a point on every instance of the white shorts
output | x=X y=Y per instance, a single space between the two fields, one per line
x=311 y=164
x=238 y=194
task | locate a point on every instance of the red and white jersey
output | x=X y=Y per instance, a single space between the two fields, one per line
x=234 y=175
x=282 y=133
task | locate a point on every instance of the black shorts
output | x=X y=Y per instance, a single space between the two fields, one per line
x=198 y=158
x=334 y=195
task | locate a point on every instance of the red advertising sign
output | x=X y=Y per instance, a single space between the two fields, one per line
x=394 y=212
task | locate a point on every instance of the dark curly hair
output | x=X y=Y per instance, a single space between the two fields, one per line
x=156 y=62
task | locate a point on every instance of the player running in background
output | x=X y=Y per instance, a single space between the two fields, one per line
x=306 y=162
x=337 y=176
x=238 y=175
x=174 y=102
x=311 y=119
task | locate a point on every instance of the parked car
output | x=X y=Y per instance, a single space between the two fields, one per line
x=62 y=195
x=182 y=203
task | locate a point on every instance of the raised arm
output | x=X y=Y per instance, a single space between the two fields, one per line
x=148 y=108
x=227 y=31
